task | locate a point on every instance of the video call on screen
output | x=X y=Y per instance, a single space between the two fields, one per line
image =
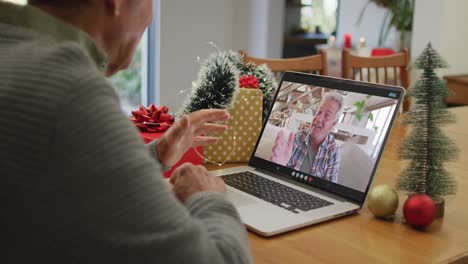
x=352 y=139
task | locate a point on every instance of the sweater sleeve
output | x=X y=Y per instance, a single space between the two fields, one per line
x=116 y=208
x=153 y=149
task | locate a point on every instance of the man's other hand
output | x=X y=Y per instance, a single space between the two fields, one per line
x=189 y=179
x=188 y=132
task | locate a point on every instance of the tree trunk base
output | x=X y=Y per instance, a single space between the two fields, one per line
x=440 y=207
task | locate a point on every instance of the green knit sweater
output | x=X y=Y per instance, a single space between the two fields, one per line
x=77 y=183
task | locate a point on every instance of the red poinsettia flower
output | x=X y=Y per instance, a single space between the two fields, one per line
x=248 y=81
x=152 y=119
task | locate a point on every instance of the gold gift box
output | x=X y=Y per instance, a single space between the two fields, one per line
x=237 y=143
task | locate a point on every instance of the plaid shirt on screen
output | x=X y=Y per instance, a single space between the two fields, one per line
x=326 y=164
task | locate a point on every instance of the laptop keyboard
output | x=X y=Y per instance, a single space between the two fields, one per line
x=274 y=192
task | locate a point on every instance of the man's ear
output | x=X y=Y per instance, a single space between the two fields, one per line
x=114 y=7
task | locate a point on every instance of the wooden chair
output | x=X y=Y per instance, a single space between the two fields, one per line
x=392 y=69
x=312 y=64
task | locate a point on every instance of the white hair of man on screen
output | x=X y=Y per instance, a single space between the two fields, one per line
x=334 y=96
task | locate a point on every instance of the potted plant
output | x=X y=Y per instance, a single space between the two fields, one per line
x=399 y=14
x=360 y=105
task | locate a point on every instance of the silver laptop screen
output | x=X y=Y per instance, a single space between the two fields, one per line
x=327 y=135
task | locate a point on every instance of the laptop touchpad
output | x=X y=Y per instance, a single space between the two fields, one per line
x=239 y=199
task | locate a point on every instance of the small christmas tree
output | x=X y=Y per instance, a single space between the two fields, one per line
x=427 y=147
x=218 y=79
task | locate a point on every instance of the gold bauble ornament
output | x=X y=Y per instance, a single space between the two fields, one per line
x=382 y=201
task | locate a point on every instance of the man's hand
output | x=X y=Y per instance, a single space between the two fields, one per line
x=189 y=179
x=282 y=148
x=188 y=131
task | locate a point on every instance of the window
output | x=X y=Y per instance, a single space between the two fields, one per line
x=319 y=16
x=128 y=83
x=381 y=121
x=135 y=85
x=307 y=24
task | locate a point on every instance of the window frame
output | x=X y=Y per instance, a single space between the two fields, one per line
x=151 y=58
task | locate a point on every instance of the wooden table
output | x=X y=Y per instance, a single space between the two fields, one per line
x=361 y=238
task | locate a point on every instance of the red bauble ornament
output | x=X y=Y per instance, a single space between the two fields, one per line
x=419 y=210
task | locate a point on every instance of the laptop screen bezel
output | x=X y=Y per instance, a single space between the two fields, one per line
x=338 y=84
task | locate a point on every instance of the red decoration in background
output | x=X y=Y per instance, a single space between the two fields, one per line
x=152 y=119
x=419 y=210
x=347 y=41
x=381 y=52
x=248 y=81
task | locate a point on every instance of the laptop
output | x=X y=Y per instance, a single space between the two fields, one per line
x=316 y=154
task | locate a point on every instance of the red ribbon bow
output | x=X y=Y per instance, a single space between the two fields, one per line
x=152 y=119
x=248 y=81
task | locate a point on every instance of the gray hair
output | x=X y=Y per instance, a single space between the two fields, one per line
x=337 y=97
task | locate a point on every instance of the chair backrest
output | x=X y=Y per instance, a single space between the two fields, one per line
x=392 y=69
x=312 y=64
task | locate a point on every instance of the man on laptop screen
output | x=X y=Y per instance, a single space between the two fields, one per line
x=313 y=149
x=333 y=135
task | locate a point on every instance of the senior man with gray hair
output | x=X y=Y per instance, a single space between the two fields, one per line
x=314 y=150
x=78 y=184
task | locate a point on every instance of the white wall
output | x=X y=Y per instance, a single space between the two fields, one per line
x=275 y=28
x=442 y=23
x=259 y=27
x=187 y=26
x=369 y=28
